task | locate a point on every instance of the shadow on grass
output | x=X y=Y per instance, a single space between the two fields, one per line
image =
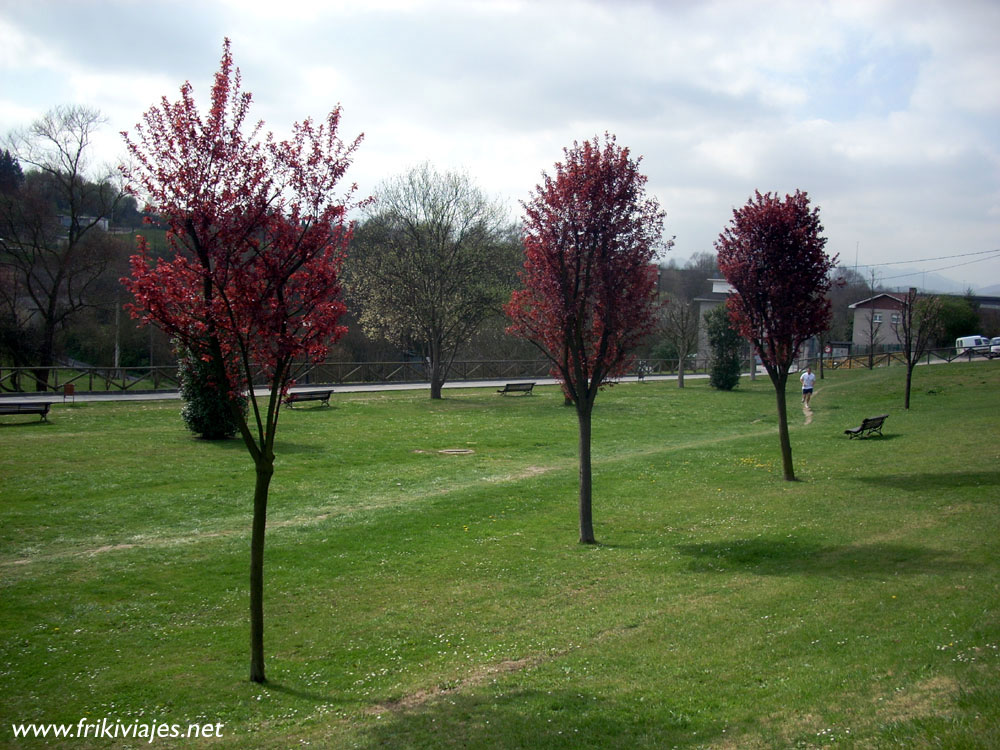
x=294 y=692
x=33 y=423
x=236 y=444
x=872 y=438
x=311 y=409
x=776 y=557
x=934 y=481
x=535 y=719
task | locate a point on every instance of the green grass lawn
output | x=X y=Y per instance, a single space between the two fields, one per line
x=417 y=599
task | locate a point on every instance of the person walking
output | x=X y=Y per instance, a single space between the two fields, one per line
x=808 y=380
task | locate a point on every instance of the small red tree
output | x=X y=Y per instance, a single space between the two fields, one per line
x=257 y=235
x=589 y=296
x=772 y=254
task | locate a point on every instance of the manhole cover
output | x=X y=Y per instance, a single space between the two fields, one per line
x=457 y=451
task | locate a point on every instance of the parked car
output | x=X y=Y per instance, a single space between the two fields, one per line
x=977 y=345
x=994 y=347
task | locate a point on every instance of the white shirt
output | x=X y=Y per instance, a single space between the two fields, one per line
x=807 y=378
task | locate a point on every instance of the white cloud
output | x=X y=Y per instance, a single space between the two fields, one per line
x=885 y=111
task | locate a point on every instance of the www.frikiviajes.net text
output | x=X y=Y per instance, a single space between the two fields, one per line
x=114 y=729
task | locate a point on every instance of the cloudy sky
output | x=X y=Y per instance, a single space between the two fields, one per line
x=886 y=112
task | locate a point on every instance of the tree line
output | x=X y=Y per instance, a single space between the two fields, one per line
x=426 y=273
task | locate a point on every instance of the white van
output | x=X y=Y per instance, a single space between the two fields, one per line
x=977 y=344
x=994 y=348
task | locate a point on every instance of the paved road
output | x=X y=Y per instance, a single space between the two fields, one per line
x=348 y=388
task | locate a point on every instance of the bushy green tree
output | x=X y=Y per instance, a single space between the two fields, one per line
x=725 y=344
x=958 y=318
x=207 y=410
x=434 y=259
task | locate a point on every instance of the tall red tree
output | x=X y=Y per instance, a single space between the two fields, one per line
x=257 y=234
x=589 y=296
x=772 y=254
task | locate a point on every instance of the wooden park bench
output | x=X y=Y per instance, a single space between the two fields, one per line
x=298 y=396
x=40 y=408
x=516 y=388
x=868 y=426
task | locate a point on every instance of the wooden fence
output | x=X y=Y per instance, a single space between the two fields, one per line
x=887 y=359
x=164 y=378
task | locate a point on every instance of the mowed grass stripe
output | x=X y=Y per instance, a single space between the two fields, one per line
x=343 y=513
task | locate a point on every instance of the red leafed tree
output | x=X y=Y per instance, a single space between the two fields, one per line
x=772 y=254
x=257 y=235
x=589 y=296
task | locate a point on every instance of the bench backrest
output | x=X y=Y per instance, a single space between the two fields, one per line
x=22 y=408
x=873 y=421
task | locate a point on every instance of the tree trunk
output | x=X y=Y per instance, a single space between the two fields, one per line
x=583 y=413
x=910 y=364
x=41 y=377
x=436 y=384
x=45 y=356
x=680 y=372
x=786 y=443
x=265 y=470
x=437 y=371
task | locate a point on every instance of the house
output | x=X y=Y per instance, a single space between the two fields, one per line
x=101 y=222
x=876 y=322
x=721 y=289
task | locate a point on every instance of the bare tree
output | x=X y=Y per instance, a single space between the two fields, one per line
x=847 y=286
x=679 y=323
x=53 y=251
x=691 y=279
x=919 y=323
x=873 y=324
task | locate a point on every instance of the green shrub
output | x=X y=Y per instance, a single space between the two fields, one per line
x=207 y=410
x=724 y=342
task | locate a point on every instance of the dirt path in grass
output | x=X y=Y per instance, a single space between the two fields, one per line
x=478 y=677
x=485 y=673
x=319 y=515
